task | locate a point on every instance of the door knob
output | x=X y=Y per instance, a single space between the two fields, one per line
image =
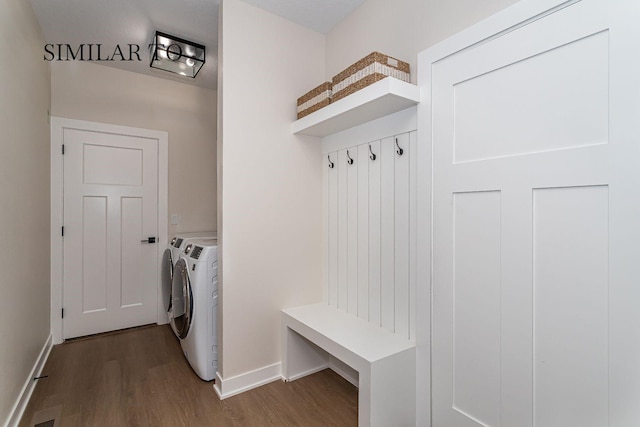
x=149 y=240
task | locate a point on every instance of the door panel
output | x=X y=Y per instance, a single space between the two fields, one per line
x=132 y=228
x=99 y=160
x=94 y=258
x=566 y=88
x=476 y=305
x=535 y=193
x=570 y=287
x=110 y=207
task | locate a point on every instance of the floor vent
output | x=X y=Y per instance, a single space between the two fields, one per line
x=48 y=417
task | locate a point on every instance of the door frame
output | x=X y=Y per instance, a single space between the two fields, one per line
x=58 y=124
x=509 y=19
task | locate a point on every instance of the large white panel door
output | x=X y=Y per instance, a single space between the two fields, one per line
x=536 y=224
x=110 y=210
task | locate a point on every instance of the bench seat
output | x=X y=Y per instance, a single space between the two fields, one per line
x=385 y=362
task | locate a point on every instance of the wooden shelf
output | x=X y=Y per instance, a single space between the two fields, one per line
x=385 y=97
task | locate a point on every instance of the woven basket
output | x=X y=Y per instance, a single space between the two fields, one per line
x=314 y=100
x=370 y=69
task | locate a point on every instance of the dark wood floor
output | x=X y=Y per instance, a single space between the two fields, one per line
x=140 y=378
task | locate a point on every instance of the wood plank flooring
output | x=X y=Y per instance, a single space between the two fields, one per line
x=141 y=378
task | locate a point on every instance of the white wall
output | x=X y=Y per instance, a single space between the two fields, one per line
x=270 y=217
x=24 y=186
x=401 y=28
x=87 y=91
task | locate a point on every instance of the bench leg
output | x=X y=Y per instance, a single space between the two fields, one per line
x=300 y=357
x=387 y=392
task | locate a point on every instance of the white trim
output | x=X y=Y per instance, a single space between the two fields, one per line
x=508 y=20
x=58 y=124
x=310 y=372
x=15 y=415
x=56 y=222
x=244 y=382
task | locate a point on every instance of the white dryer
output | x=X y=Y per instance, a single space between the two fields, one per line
x=195 y=304
x=170 y=257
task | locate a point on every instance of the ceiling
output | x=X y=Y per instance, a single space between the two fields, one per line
x=123 y=22
x=318 y=15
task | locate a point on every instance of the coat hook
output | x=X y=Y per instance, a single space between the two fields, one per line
x=331 y=164
x=372 y=156
x=350 y=161
x=400 y=151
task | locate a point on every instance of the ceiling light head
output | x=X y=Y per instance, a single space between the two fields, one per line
x=176 y=55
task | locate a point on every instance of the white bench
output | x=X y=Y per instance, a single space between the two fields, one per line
x=385 y=362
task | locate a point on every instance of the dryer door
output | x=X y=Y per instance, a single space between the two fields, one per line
x=167 y=278
x=181 y=299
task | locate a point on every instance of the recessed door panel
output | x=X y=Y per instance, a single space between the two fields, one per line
x=571 y=313
x=94 y=254
x=131 y=281
x=98 y=161
x=565 y=89
x=477 y=229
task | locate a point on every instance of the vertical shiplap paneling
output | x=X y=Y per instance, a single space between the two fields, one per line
x=413 y=231
x=363 y=231
x=352 y=231
x=325 y=229
x=387 y=231
x=371 y=223
x=374 y=236
x=401 y=235
x=332 y=195
x=343 y=196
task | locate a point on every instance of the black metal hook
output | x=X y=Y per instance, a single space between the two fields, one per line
x=350 y=161
x=400 y=151
x=331 y=164
x=372 y=156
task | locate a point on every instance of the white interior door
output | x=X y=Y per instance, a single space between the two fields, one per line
x=110 y=208
x=536 y=173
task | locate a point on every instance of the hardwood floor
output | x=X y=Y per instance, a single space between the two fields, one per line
x=140 y=378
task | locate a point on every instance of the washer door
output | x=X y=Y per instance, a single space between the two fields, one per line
x=167 y=278
x=181 y=299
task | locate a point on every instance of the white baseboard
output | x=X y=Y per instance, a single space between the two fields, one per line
x=21 y=403
x=240 y=383
x=309 y=372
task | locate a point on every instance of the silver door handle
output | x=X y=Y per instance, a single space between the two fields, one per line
x=149 y=240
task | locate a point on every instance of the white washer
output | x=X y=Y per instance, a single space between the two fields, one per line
x=169 y=260
x=170 y=257
x=195 y=305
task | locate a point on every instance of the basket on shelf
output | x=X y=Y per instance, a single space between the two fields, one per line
x=370 y=69
x=314 y=100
